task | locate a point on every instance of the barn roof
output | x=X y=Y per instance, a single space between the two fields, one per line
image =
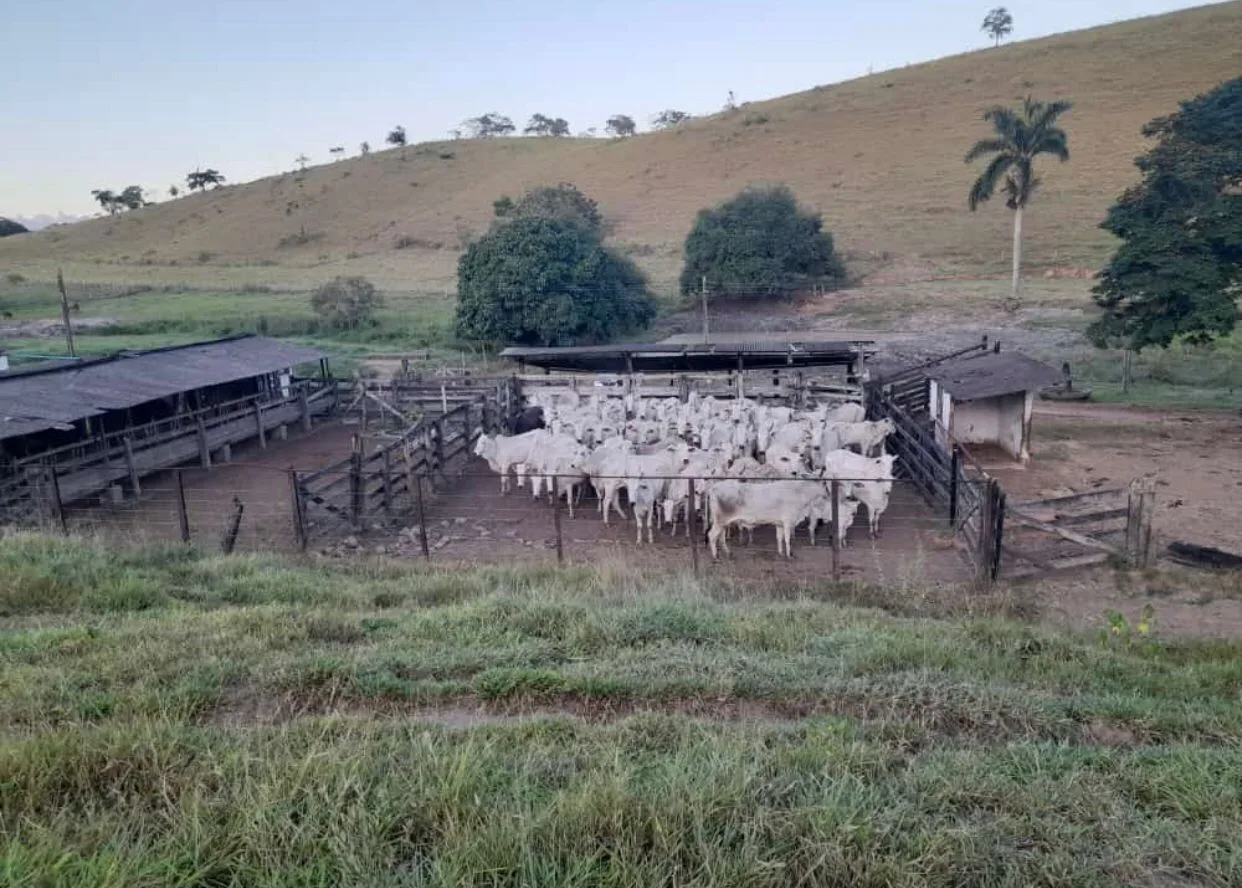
x=670 y=357
x=991 y=375
x=41 y=398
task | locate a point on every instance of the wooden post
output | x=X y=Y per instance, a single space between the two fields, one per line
x=422 y=517
x=835 y=530
x=356 y=491
x=1127 y=363
x=204 y=453
x=987 y=527
x=999 y=535
x=258 y=425
x=232 y=528
x=955 y=466
x=57 y=503
x=556 y=519
x=183 y=514
x=1139 y=510
x=387 y=480
x=130 y=467
x=443 y=399
x=64 y=312
x=438 y=430
x=304 y=405
x=691 y=530
x=299 y=511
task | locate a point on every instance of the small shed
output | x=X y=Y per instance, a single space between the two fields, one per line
x=987 y=399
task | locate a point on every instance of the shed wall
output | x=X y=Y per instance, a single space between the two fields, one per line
x=1001 y=421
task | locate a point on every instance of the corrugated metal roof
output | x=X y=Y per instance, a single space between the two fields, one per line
x=991 y=375
x=49 y=397
x=686 y=357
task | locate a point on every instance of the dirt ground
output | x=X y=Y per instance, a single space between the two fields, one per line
x=257 y=478
x=470 y=522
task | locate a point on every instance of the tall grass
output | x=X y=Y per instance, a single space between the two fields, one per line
x=172 y=717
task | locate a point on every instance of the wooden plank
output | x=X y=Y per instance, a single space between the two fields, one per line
x=1026 y=521
x=1068 y=563
x=1073 y=499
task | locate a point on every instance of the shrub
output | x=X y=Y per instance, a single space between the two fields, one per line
x=759 y=243
x=347 y=303
x=14 y=278
x=547 y=281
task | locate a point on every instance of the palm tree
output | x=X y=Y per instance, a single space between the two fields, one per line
x=1021 y=136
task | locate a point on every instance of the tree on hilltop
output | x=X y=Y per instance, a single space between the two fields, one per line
x=396 y=137
x=998 y=23
x=541 y=125
x=487 y=126
x=669 y=118
x=621 y=126
x=1178 y=271
x=200 y=179
x=1021 y=135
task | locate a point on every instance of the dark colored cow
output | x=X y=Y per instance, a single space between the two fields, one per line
x=528 y=420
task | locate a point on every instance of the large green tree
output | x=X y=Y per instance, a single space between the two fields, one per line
x=563 y=201
x=1178 y=271
x=1021 y=135
x=759 y=243
x=547 y=281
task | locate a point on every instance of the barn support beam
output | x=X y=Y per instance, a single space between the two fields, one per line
x=134 y=483
x=204 y=453
x=258 y=426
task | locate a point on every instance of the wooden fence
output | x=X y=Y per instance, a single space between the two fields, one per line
x=387 y=477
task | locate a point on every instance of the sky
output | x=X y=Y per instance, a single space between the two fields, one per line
x=108 y=93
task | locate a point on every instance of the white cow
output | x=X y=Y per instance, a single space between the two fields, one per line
x=870 y=480
x=508 y=452
x=783 y=504
x=866 y=436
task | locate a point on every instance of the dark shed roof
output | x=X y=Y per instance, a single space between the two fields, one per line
x=991 y=375
x=665 y=357
x=49 y=397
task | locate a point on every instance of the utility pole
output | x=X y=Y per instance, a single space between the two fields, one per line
x=704 y=294
x=64 y=311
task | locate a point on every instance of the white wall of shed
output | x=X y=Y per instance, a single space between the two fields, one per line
x=1003 y=421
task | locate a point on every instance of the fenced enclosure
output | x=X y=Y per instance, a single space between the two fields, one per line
x=408 y=485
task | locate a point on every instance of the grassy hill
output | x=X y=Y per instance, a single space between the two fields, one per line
x=880 y=156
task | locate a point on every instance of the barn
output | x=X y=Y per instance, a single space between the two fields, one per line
x=72 y=430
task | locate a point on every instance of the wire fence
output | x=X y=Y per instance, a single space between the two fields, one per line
x=464 y=518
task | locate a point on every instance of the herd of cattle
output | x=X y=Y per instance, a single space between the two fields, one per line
x=746 y=464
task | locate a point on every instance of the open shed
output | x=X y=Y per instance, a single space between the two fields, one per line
x=987 y=399
x=88 y=424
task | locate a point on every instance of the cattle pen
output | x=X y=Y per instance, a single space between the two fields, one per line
x=405 y=482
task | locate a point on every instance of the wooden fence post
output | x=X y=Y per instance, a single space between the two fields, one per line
x=437 y=429
x=258 y=425
x=422 y=517
x=134 y=482
x=955 y=467
x=299 y=513
x=183 y=514
x=304 y=407
x=556 y=519
x=57 y=503
x=999 y=533
x=356 y=492
x=204 y=452
x=987 y=528
x=691 y=530
x=1139 y=508
x=232 y=528
x=835 y=530
x=387 y=480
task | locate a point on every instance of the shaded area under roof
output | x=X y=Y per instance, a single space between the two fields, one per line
x=39 y=398
x=666 y=357
x=991 y=375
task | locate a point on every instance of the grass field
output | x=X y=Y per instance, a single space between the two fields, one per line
x=176 y=718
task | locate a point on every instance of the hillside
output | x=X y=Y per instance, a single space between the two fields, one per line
x=880 y=156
